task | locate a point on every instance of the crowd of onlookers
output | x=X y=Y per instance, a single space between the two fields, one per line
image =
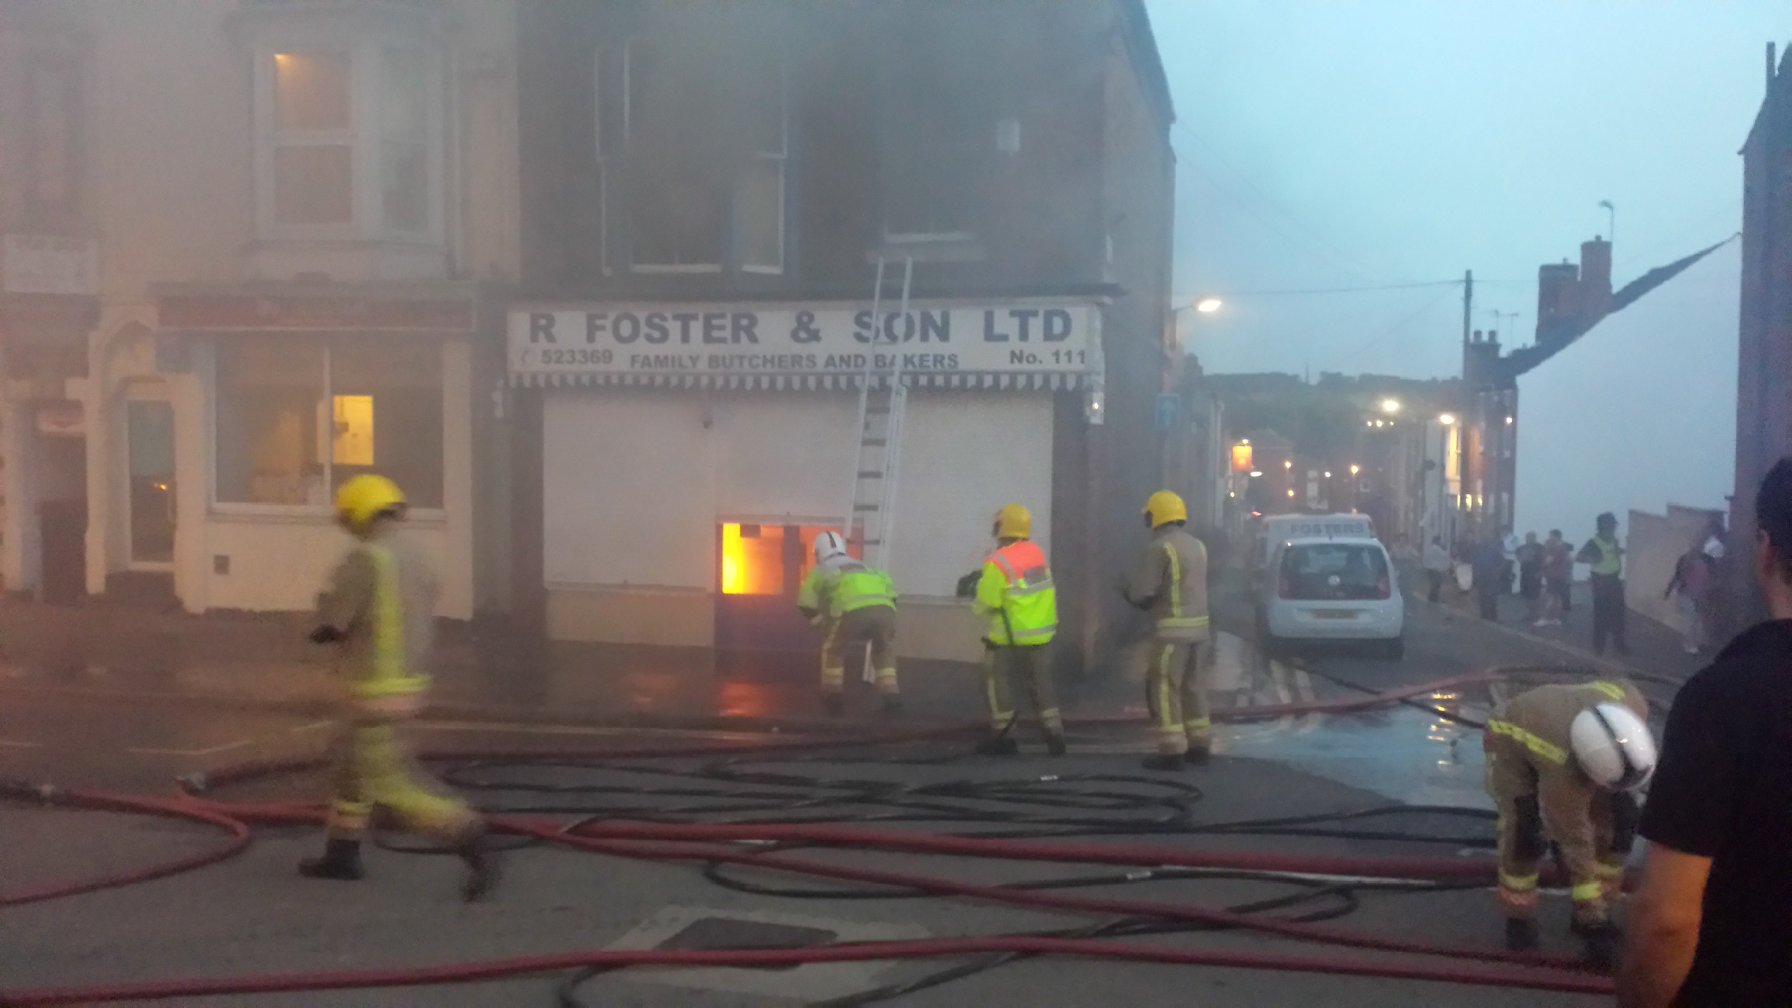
x=1541 y=572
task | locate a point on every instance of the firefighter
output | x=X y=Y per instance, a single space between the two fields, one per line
x=1014 y=589
x=379 y=611
x=857 y=605
x=1562 y=762
x=1170 y=582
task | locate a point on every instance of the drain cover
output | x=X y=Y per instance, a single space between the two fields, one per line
x=708 y=933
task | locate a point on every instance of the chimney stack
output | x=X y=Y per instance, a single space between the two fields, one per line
x=1558 y=299
x=1595 y=280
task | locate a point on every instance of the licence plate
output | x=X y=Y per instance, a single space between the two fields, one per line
x=1337 y=614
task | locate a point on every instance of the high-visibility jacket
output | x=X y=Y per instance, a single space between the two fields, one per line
x=1535 y=726
x=838 y=589
x=1017 y=594
x=381 y=600
x=1609 y=556
x=1170 y=582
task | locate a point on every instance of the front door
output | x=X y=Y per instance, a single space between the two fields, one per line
x=150 y=436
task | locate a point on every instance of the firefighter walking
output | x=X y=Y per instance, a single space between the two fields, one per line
x=1015 y=591
x=856 y=603
x=1562 y=762
x=379 y=612
x=1170 y=583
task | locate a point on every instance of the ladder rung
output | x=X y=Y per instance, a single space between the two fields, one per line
x=877 y=409
x=876 y=442
x=870 y=474
x=873 y=542
x=867 y=507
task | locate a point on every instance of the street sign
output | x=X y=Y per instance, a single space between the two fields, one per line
x=1169 y=411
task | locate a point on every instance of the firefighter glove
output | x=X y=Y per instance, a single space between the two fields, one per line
x=326 y=634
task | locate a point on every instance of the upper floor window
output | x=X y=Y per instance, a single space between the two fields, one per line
x=51 y=168
x=350 y=141
x=938 y=125
x=702 y=159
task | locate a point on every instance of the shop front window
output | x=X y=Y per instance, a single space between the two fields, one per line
x=294 y=421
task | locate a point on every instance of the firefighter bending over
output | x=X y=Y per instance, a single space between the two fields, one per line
x=856 y=604
x=379 y=611
x=1562 y=760
x=1170 y=582
x=1015 y=591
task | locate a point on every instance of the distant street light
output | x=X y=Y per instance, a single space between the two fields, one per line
x=1447 y=419
x=1208 y=305
x=1290 y=491
x=1256 y=473
x=1287 y=463
x=1354 y=469
x=1390 y=405
x=1328 y=474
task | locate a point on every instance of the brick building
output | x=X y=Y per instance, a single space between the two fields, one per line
x=706 y=189
x=1763 y=407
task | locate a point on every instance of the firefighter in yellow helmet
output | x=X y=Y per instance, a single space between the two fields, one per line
x=1170 y=582
x=379 y=611
x=1015 y=590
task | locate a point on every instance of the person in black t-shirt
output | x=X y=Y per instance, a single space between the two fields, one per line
x=1712 y=924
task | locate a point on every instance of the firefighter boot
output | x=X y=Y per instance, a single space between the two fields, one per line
x=1198 y=754
x=1054 y=743
x=341 y=860
x=1601 y=941
x=1521 y=934
x=892 y=705
x=482 y=866
x=1168 y=762
x=835 y=703
x=998 y=745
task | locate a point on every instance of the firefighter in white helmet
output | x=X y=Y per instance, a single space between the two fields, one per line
x=1562 y=763
x=855 y=604
x=379 y=612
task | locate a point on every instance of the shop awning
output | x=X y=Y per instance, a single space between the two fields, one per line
x=1031 y=381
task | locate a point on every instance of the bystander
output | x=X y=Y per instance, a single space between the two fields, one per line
x=1711 y=923
x=1490 y=571
x=1437 y=567
x=1558 y=579
x=1606 y=557
x=1530 y=577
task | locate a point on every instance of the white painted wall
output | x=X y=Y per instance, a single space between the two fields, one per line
x=1640 y=412
x=635 y=484
x=282 y=565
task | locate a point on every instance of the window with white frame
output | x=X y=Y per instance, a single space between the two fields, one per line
x=297 y=418
x=704 y=143
x=351 y=141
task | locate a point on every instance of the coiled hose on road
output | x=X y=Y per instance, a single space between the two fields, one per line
x=747 y=809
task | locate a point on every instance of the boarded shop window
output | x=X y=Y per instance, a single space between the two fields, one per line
x=295 y=421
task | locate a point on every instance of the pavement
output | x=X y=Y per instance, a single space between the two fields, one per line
x=184 y=700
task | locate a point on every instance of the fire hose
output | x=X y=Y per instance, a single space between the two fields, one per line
x=767 y=846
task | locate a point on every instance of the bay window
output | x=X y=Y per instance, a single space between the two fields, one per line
x=350 y=141
x=295 y=419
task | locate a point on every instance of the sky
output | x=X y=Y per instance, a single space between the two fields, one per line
x=1385 y=143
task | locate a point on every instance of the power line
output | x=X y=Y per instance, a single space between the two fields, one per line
x=1318 y=242
x=1392 y=330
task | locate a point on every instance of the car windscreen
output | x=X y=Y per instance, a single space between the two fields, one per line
x=1334 y=572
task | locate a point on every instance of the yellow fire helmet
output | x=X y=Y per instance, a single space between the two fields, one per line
x=1164 y=507
x=1014 y=521
x=365 y=497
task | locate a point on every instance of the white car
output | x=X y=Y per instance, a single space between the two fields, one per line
x=1320 y=588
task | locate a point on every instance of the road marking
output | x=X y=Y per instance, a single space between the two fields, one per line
x=208 y=751
x=313 y=726
x=20 y=744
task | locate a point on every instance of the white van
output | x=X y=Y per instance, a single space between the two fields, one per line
x=1326 y=588
x=1274 y=530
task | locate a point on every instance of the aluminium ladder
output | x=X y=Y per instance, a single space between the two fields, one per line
x=883 y=405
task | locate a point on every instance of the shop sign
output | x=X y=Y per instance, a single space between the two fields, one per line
x=1024 y=343
x=49 y=264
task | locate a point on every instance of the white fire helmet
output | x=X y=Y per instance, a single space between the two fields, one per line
x=829 y=545
x=1613 y=746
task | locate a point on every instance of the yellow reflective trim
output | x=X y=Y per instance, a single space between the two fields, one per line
x=1163 y=691
x=1198 y=724
x=1585 y=891
x=1175 y=580
x=1543 y=748
x=1610 y=689
x=1518 y=883
x=1610 y=869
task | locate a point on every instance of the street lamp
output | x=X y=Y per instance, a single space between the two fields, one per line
x=1208 y=305
x=1390 y=406
x=1447 y=419
x=1354 y=469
